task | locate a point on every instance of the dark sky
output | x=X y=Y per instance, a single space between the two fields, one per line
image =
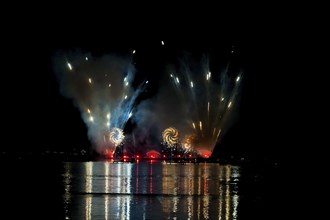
x=40 y=118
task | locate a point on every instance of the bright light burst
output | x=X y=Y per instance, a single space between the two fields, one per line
x=187 y=142
x=116 y=136
x=170 y=136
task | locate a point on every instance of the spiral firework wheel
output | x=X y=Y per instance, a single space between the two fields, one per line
x=171 y=136
x=116 y=136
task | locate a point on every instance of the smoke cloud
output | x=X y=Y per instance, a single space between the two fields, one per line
x=101 y=88
x=199 y=103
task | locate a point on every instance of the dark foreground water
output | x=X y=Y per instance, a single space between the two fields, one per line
x=103 y=190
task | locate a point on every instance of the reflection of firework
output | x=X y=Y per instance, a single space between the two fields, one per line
x=116 y=136
x=170 y=136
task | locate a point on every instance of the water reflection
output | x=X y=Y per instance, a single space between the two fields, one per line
x=102 y=190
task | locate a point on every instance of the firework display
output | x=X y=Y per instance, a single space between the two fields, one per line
x=191 y=111
x=101 y=87
x=205 y=103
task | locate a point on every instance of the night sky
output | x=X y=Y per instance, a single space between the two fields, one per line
x=41 y=118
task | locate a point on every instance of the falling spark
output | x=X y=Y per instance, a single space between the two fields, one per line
x=193 y=124
x=89 y=111
x=125 y=97
x=126 y=84
x=229 y=104
x=191 y=84
x=86 y=58
x=171 y=75
x=108 y=124
x=125 y=79
x=219 y=133
x=147 y=82
x=69 y=65
x=208 y=107
x=237 y=79
x=208 y=76
x=200 y=125
x=130 y=115
x=222 y=99
x=108 y=116
x=177 y=80
x=91 y=118
x=213 y=132
x=162 y=42
x=133 y=51
x=90 y=80
x=109 y=84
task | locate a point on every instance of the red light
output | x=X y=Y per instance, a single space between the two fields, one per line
x=205 y=153
x=109 y=154
x=153 y=154
x=137 y=156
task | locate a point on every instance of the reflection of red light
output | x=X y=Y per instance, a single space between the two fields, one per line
x=179 y=155
x=164 y=156
x=205 y=153
x=125 y=156
x=190 y=155
x=137 y=156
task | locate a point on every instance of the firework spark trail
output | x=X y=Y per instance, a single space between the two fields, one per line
x=206 y=100
x=101 y=87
